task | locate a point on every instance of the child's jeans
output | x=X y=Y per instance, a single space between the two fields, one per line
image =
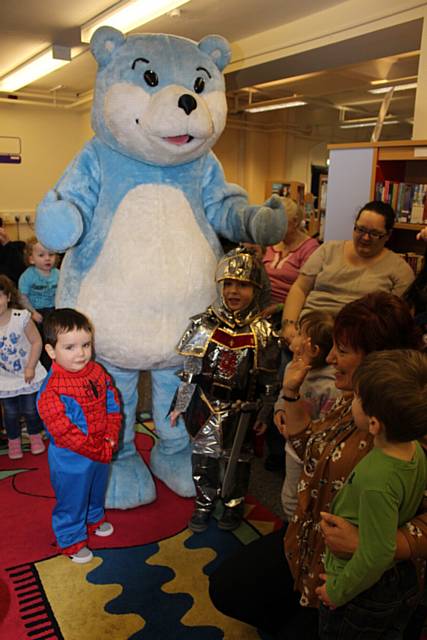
x=382 y=611
x=14 y=408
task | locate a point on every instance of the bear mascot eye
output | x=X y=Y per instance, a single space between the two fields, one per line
x=151 y=78
x=199 y=85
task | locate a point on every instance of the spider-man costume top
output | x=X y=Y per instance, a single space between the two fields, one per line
x=81 y=410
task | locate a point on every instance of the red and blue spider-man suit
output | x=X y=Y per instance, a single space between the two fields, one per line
x=81 y=413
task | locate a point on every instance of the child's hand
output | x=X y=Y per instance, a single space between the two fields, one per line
x=279 y=419
x=323 y=594
x=37 y=317
x=29 y=373
x=174 y=417
x=106 y=452
x=260 y=428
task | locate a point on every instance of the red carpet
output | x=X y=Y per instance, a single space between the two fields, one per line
x=148 y=581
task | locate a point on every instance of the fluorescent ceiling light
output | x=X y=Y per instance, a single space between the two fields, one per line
x=278 y=105
x=398 y=87
x=39 y=66
x=129 y=15
x=366 y=124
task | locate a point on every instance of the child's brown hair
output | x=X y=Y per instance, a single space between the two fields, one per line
x=62 y=321
x=392 y=386
x=8 y=288
x=319 y=327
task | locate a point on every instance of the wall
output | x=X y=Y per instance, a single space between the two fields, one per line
x=50 y=138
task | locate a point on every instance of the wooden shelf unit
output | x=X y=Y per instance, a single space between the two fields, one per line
x=286 y=188
x=400 y=161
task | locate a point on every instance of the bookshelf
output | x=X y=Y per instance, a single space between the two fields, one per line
x=291 y=189
x=389 y=170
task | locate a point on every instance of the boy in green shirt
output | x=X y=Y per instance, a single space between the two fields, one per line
x=370 y=592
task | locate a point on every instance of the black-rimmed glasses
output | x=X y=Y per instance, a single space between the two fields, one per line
x=372 y=233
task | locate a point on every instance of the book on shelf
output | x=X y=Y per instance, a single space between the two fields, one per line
x=409 y=200
x=414 y=260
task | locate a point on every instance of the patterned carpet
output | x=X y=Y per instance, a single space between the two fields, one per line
x=147 y=582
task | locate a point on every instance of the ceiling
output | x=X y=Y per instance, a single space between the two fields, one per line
x=332 y=93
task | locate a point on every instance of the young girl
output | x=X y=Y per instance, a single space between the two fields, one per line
x=21 y=373
x=38 y=283
x=314 y=338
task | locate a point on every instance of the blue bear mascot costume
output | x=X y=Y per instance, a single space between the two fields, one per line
x=138 y=213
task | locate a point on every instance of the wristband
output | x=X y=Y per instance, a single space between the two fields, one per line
x=290 y=399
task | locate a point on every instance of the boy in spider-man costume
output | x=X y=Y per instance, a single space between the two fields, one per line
x=81 y=411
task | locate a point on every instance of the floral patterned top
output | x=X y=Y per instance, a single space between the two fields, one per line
x=330 y=448
x=14 y=352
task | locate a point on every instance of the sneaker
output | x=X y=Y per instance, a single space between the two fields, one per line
x=104 y=530
x=199 y=521
x=36 y=444
x=15 y=449
x=83 y=556
x=231 y=518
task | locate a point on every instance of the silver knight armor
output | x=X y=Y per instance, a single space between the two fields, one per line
x=229 y=357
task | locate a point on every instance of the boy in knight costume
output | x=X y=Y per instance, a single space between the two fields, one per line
x=228 y=388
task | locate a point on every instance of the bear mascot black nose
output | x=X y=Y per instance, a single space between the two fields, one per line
x=187 y=103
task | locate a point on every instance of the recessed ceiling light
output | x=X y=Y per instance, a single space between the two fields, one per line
x=278 y=105
x=366 y=124
x=398 y=87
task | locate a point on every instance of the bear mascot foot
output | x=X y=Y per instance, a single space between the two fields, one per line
x=174 y=469
x=131 y=483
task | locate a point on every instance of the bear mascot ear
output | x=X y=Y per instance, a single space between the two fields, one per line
x=104 y=43
x=217 y=48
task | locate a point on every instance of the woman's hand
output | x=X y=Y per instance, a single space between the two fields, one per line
x=298 y=368
x=422 y=235
x=29 y=373
x=341 y=537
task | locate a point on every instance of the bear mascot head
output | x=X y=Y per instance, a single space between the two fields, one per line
x=138 y=213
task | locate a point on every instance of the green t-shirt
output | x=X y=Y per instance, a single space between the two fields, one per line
x=380 y=495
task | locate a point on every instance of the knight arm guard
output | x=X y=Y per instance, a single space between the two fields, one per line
x=192 y=367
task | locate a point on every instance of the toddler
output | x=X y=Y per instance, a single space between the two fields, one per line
x=231 y=360
x=38 y=283
x=383 y=492
x=21 y=373
x=80 y=408
x=313 y=340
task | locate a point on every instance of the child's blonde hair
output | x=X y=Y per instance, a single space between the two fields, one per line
x=319 y=327
x=29 y=246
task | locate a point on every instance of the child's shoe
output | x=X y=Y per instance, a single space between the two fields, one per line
x=15 y=449
x=231 y=518
x=82 y=556
x=199 y=520
x=36 y=444
x=104 y=530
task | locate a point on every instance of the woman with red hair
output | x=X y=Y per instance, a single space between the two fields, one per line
x=274 y=588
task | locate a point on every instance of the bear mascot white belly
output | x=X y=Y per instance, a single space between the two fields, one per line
x=138 y=213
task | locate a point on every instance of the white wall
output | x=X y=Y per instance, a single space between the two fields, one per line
x=50 y=138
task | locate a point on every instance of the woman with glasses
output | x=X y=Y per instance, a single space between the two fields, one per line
x=343 y=270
